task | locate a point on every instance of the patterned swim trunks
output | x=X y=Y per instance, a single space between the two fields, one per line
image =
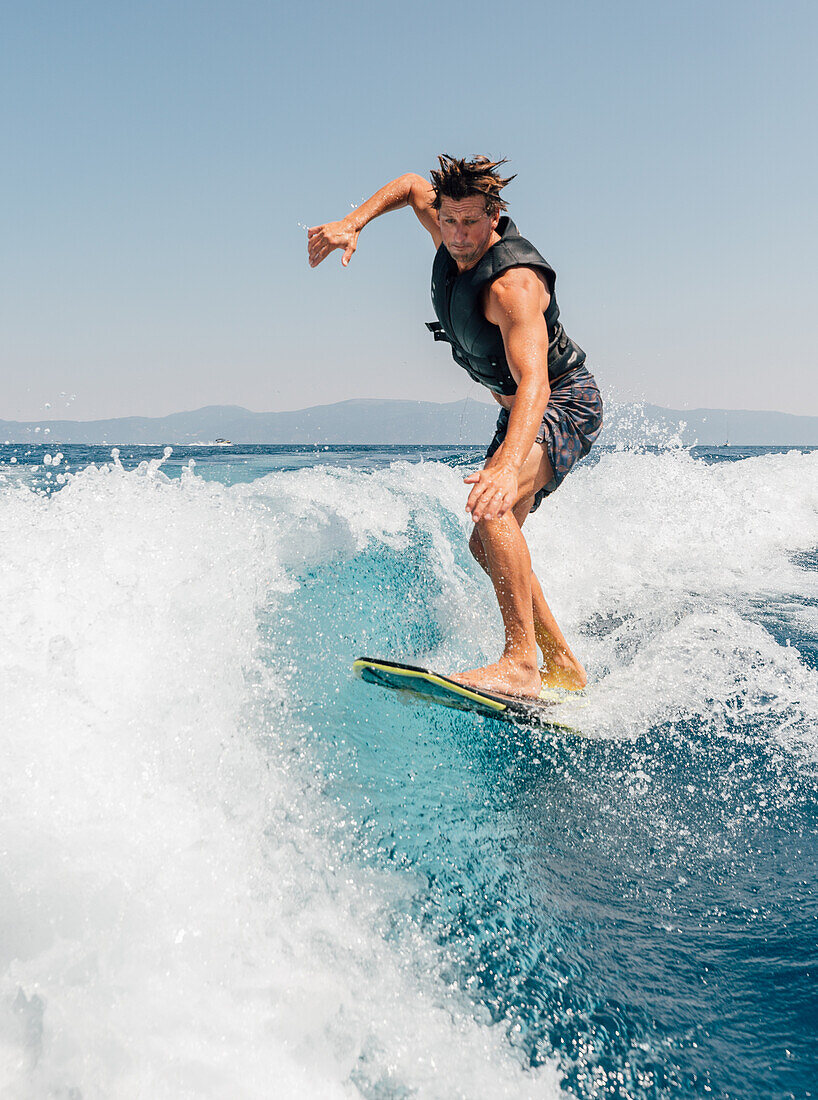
x=572 y=421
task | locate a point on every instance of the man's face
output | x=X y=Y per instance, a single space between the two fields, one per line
x=466 y=228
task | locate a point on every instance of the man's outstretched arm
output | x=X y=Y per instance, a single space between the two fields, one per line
x=407 y=190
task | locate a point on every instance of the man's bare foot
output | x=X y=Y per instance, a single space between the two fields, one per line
x=506 y=676
x=562 y=670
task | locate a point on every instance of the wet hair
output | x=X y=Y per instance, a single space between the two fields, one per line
x=459 y=179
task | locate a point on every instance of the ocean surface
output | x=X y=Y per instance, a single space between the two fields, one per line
x=230 y=869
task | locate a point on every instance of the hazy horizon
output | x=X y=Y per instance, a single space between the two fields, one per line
x=370 y=421
x=478 y=398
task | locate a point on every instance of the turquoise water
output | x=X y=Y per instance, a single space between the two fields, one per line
x=233 y=869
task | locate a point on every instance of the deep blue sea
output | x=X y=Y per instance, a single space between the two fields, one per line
x=230 y=869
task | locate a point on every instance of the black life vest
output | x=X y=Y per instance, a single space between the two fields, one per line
x=477 y=344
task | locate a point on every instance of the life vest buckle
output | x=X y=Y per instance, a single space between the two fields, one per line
x=437 y=331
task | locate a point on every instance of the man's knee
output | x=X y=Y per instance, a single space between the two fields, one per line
x=476 y=547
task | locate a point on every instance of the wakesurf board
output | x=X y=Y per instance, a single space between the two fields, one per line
x=433 y=687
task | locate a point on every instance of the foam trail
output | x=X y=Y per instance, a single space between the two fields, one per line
x=665 y=592
x=179 y=916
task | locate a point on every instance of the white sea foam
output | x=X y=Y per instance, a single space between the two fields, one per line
x=176 y=917
x=667 y=586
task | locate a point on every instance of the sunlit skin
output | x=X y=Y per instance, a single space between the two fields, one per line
x=502 y=493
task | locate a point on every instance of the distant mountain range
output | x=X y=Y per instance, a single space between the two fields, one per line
x=376 y=421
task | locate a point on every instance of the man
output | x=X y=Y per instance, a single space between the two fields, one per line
x=494 y=298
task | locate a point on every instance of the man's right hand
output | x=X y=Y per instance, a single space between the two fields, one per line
x=323 y=239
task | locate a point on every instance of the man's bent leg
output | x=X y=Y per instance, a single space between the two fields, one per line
x=508 y=563
x=561 y=668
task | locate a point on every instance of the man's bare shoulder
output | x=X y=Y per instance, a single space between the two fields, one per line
x=516 y=292
x=421 y=199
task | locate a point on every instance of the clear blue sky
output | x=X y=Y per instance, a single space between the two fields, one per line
x=160 y=160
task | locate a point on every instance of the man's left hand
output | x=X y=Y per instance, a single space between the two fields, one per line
x=494 y=492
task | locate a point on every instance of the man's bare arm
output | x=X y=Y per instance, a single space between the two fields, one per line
x=408 y=190
x=516 y=304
